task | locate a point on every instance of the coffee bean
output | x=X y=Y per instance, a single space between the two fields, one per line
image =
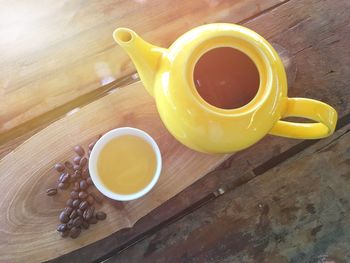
x=62 y=228
x=90 y=199
x=83 y=205
x=75 y=232
x=101 y=215
x=63 y=186
x=88 y=213
x=76 y=186
x=68 y=165
x=74 y=214
x=83 y=195
x=89 y=181
x=93 y=220
x=61 y=177
x=91 y=146
x=68 y=210
x=70 y=224
x=51 y=191
x=76 y=160
x=97 y=197
x=79 y=150
x=85 y=224
x=77 y=167
x=59 y=167
x=77 y=222
x=85 y=172
x=74 y=195
x=83 y=185
x=65 y=233
x=76 y=175
x=80 y=212
x=65 y=178
x=76 y=203
x=69 y=202
x=63 y=217
x=83 y=162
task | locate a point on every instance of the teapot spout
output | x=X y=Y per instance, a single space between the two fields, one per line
x=144 y=55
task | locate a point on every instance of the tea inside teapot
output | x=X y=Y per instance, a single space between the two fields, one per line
x=226 y=78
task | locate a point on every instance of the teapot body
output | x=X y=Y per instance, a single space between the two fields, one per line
x=200 y=125
x=168 y=75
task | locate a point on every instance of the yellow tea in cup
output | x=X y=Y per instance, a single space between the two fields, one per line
x=126 y=164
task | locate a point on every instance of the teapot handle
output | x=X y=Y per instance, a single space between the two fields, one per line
x=324 y=115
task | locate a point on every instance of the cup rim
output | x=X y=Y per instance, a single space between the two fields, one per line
x=112 y=134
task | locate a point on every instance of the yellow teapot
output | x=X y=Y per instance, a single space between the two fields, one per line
x=186 y=80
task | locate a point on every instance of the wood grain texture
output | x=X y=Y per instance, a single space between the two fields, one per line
x=11 y=139
x=295 y=212
x=27 y=228
x=53 y=52
x=322 y=73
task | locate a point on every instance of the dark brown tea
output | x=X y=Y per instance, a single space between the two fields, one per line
x=226 y=78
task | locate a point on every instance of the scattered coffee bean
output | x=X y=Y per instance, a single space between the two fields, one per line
x=76 y=203
x=70 y=224
x=68 y=165
x=83 y=162
x=74 y=194
x=77 y=222
x=51 y=191
x=80 y=212
x=59 y=167
x=74 y=214
x=76 y=175
x=61 y=177
x=77 y=167
x=76 y=160
x=63 y=186
x=65 y=179
x=85 y=172
x=76 y=186
x=88 y=213
x=85 y=224
x=83 y=205
x=101 y=215
x=91 y=146
x=68 y=210
x=83 y=195
x=90 y=200
x=69 y=202
x=79 y=150
x=93 y=220
x=83 y=185
x=62 y=228
x=89 y=181
x=65 y=233
x=97 y=198
x=63 y=217
x=75 y=232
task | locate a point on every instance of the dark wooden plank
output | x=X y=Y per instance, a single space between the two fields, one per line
x=298 y=211
x=67 y=50
x=322 y=74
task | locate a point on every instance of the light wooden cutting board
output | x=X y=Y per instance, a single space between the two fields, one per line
x=29 y=217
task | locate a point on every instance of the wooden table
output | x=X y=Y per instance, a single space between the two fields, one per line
x=282 y=200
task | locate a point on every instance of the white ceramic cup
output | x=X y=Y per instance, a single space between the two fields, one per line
x=96 y=152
